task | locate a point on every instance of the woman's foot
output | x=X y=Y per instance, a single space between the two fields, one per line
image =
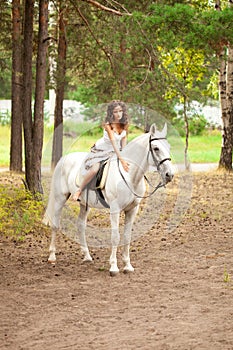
x=77 y=195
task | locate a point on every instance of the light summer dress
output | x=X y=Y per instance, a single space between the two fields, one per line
x=103 y=149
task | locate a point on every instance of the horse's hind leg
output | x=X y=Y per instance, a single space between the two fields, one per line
x=82 y=221
x=52 y=248
x=129 y=219
x=55 y=219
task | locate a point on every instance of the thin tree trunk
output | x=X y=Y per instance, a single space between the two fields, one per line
x=186 y=122
x=16 y=91
x=38 y=126
x=27 y=91
x=61 y=72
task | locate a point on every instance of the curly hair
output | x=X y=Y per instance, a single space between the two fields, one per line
x=124 y=121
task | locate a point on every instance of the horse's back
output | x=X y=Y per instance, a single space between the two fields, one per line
x=66 y=171
x=69 y=162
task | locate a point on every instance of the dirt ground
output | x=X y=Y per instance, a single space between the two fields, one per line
x=179 y=297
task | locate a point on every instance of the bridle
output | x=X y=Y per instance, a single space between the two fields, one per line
x=157 y=164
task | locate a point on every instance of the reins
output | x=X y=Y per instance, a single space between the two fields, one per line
x=157 y=164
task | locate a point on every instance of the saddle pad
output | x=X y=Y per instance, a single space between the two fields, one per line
x=102 y=182
x=78 y=179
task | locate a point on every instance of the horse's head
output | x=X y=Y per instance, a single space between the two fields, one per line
x=159 y=153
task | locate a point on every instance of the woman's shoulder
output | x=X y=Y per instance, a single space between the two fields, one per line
x=107 y=126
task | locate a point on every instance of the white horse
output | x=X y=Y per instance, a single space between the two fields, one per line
x=123 y=191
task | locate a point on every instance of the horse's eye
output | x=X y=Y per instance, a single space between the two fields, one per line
x=156 y=149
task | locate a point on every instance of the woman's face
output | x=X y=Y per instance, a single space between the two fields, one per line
x=117 y=113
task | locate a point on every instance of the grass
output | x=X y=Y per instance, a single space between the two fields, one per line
x=4 y=146
x=202 y=149
x=205 y=148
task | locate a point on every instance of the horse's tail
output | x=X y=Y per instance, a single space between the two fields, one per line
x=49 y=212
x=49 y=215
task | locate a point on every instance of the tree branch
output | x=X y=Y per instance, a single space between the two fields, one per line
x=104 y=8
x=107 y=54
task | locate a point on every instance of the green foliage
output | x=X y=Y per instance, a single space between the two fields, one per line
x=84 y=94
x=119 y=57
x=212 y=87
x=187 y=25
x=5 y=118
x=19 y=212
x=5 y=76
x=197 y=124
x=5 y=49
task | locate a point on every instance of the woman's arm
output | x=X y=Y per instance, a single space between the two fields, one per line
x=117 y=151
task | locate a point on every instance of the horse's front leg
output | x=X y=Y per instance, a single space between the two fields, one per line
x=115 y=239
x=82 y=222
x=129 y=219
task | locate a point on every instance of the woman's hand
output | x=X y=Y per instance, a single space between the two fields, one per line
x=124 y=164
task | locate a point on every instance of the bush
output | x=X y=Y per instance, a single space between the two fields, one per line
x=84 y=128
x=20 y=213
x=197 y=124
x=5 y=118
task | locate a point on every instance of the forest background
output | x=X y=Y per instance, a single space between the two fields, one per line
x=155 y=54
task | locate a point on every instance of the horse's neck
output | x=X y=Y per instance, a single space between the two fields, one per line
x=136 y=153
x=137 y=172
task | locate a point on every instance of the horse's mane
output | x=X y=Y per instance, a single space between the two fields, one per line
x=137 y=140
x=140 y=142
x=136 y=145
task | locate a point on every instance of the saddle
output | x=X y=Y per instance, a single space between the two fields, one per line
x=100 y=181
x=102 y=174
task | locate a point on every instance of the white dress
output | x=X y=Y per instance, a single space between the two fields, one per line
x=103 y=149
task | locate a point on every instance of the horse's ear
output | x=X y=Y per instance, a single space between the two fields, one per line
x=164 y=131
x=153 y=129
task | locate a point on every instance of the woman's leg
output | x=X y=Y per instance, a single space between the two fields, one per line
x=86 y=179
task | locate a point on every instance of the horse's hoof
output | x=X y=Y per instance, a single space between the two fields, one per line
x=52 y=262
x=113 y=273
x=87 y=261
x=128 y=270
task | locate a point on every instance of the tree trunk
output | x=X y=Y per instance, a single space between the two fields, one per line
x=61 y=72
x=186 y=122
x=27 y=90
x=16 y=90
x=227 y=117
x=38 y=126
x=226 y=102
x=33 y=129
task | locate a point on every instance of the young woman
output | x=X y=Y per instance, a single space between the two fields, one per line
x=113 y=140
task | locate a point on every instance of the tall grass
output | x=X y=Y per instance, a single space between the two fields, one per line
x=4 y=145
x=80 y=137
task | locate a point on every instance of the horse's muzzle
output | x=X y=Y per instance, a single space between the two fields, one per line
x=169 y=177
